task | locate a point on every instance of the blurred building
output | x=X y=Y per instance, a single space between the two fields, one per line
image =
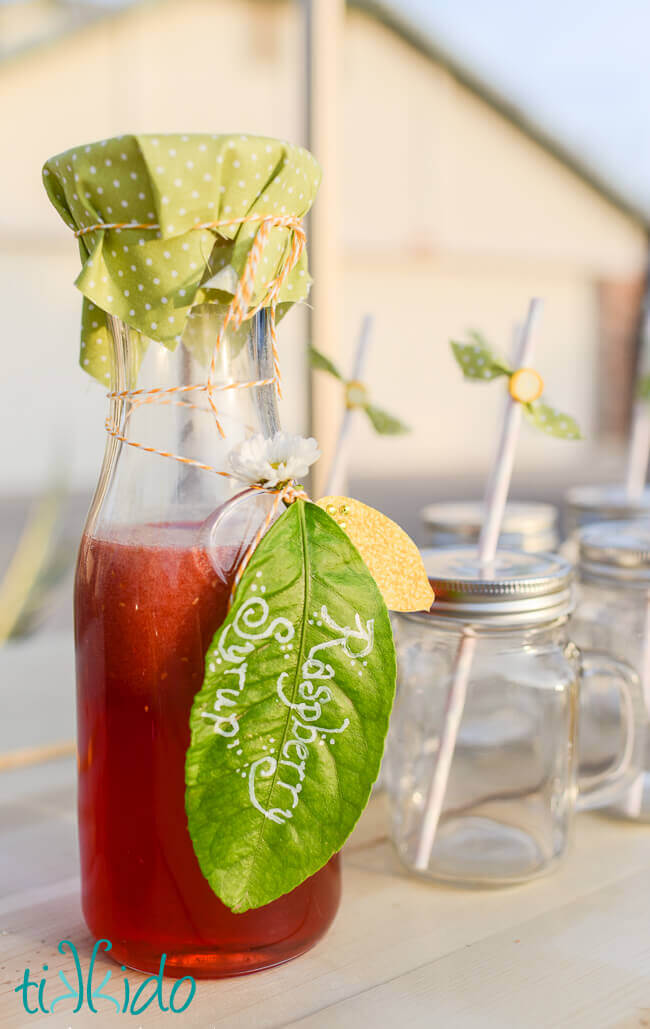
x=454 y=211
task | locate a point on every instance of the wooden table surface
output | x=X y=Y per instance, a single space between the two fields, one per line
x=569 y=950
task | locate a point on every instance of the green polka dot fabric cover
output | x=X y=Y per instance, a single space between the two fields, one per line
x=151 y=278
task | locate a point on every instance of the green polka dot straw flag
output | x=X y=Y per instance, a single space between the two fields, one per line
x=139 y=204
x=479 y=363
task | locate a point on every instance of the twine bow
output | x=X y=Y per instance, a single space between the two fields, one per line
x=479 y=363
x=356 y=397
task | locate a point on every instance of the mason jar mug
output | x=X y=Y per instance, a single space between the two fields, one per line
x=613 y=613
x=485 y=778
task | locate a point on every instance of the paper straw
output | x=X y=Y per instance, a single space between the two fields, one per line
x=639 y=446
x=337 y=468
x=498 y=484
x=496 y=495
x=637 y=455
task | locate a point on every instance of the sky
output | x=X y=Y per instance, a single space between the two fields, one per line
x=580 y=69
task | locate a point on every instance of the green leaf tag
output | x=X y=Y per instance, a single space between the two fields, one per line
x=288 y=728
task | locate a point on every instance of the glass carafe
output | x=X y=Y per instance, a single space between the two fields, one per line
x=155 y=567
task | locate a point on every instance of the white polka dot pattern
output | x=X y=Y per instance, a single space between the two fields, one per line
x=151 y=278
x=479 y=363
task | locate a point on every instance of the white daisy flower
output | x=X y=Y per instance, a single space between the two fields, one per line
x=269 y=462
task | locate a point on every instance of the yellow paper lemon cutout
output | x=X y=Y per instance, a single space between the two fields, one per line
x=391 y=555
x=526 y=385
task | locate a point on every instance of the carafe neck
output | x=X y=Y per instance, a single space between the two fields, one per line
x=167 y=449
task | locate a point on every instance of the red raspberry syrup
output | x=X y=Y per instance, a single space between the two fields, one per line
x=147 y=604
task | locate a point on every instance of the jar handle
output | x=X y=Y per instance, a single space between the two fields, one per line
x=605 y=787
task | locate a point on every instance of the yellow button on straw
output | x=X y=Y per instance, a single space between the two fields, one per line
x=356 y=394
x=526 y=385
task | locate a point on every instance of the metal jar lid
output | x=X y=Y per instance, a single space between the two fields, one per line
x=518 y=587
x=588 y=504
x=526 y=526
x=467 y=516
x=616 y=552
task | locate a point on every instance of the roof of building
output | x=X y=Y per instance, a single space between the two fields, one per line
x=412 y=32
x=57 y=19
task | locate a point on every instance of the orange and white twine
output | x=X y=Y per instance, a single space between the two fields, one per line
x=237 y=312
x=287 y=494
